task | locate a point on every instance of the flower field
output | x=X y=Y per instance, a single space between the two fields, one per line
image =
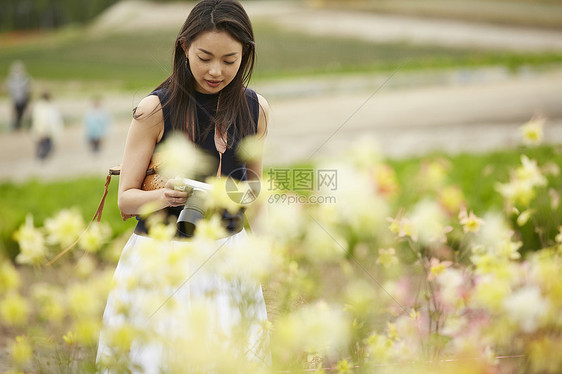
x=391 y=274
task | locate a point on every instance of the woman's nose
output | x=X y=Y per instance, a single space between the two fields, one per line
x=215 y=69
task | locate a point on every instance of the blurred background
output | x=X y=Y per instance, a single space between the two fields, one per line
x=431 y=78
x=442 y=87
x=417 y=76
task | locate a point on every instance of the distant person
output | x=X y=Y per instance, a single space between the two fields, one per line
x=96 y=123
x=46 y=125
x=19 y=87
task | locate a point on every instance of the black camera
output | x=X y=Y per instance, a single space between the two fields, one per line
x=195 y=207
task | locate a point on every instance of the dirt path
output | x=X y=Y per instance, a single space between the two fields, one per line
x=469 y=117
x=131 y=15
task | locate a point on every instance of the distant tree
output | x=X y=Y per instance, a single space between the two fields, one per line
x=48 y=14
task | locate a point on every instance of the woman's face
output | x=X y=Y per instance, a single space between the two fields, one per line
x=214 y=58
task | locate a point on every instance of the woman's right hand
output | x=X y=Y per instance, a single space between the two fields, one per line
x=175 y=192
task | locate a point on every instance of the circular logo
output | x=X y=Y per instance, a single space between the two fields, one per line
x=243 y=192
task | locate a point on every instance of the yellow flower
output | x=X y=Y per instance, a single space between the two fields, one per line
x=121 y=337
x=523 y=218
x=387 y=257
x=532 y=131
x=360 y=298
x=452 y=199
x=408 y=229
x=379 y=348
x=219 y=198
x=530 y=172
x=95 y=237
x=509 y=249
x=387 y=183
x=31 y=242
x=9 y=277
x=69 y=338
x=321 y=246
x=162 y=232
x=344 y=366
x=392 y=332
x=517 y=191
x=558 y=237
x=210 y=229
x=312 y=328
x=251 y=259
x=87 y=330
x=50 y=301
x=433 y=175
x=364 y=153
x=21 y=351
x=14 y=310
x=85 y=267
x=250 y=148
x=544 y=354
x=437 y=267
x=395 y=225
x=64 y=228
x=430 y=222
x=470 y=222
x=82 y=301
x=490 y=293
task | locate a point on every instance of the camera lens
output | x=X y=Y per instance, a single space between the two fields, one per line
x=193 y=211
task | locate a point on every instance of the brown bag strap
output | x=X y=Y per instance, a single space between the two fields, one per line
x=97 y=216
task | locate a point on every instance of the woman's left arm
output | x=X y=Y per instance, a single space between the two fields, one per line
x=257 y=212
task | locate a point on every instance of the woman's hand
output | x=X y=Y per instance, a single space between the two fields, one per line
x=175 y=192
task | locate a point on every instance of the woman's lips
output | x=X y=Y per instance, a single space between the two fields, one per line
x=213 y=84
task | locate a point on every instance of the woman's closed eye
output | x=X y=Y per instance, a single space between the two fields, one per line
x=208 y=59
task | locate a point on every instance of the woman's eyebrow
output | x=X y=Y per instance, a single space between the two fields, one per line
x=210 y=54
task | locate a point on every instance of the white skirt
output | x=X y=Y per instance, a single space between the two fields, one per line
x=170 y=310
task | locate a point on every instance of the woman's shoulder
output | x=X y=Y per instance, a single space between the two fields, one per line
x=149 y=112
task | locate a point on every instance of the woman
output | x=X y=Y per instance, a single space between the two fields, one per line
x=205 y=99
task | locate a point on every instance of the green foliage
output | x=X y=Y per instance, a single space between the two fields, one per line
x=477 y=176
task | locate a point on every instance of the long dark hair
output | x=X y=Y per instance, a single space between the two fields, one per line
x=212 y=15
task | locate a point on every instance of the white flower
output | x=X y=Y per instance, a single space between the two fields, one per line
x=530 y=172
x=526 y=307
x=355 y=199
x=178 y=156
x=250 y=259
x=313 y=328
x=450 y=282
x=64 y=228
x=494 y=232
x=430 y=222
x=532 y=131
x=31 y=242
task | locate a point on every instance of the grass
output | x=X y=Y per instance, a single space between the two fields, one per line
x=476 y=175
x=43 y=200
x=136 y=61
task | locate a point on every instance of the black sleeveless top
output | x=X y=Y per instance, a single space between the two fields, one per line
x=231 y=165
